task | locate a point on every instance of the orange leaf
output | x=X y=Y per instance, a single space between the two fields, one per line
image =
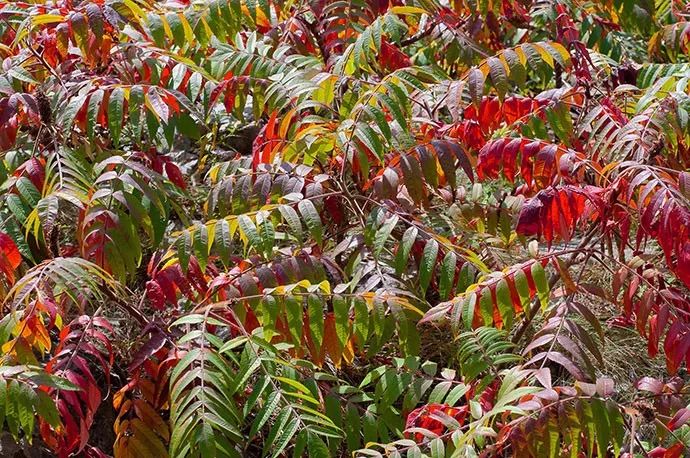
x=330 y=340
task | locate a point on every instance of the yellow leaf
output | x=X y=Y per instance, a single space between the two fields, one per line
x=211 y=226
x=325 y=286
x=151 y=418
x=407 y=10
x=188 y=32
x=285 y=123
x=349 y=351
x=304 y=283
x=136 y=9
x=171 y=261
x=404 y=303
x=561 y=50
x=8 y=346
x=546 y=57
x=118 y=398
x=521 y=55
x=46 y=19
x=166 y=26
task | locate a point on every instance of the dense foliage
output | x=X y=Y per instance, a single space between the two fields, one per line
x=326 y=228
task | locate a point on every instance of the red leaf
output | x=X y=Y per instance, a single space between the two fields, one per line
x=34 y=169
x=423 y=417
x=541 y=163
x=392 y=58
x=174 y=174
x=9 y=252
x=555 y=211
x=8 y=133
x=676 y=346
x=155 y=294
x=334 y=209
x=679 y=419
x=78 y=408
x=8 y=109
x=158 y=105
x=650 y=384
x=152 y=345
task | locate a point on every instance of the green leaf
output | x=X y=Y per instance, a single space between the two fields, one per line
x=316 y=447
x=447 y=275
x=267 y=236
x=292 y=219
x=504 y=303
x=300 y=445
x=47 y=410
x=268 y=317
x=311 y=219
x=426 y=266
x=115 y=113
x=602 y=427
x=341 y=310
x=352 y=427
x=200 y=245
x=316 y=321
x=475 y=80
x=393 y=108
x=486 y=306
x=222 y=241
x=28 y=191
x=92 y=110
x=54 y=381
x=437 y=448
x=469 y=304
x=439 y=392
x=361 y=323
x=383 y=234
x=522 y=287
x=617 y=426
x=542 y=284
x=456 y=394
x=270 y=406
x=67 y=115
x=286 y=432
x=370 y=139
x=184 y=249
x=249 y=230
x=26 y=400
x=293 y=311
x=404 y=248
x=247 y=368
x=189 y=319
x=11 y=408
x=3 y=400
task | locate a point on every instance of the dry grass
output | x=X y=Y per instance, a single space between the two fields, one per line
x=624 y=352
